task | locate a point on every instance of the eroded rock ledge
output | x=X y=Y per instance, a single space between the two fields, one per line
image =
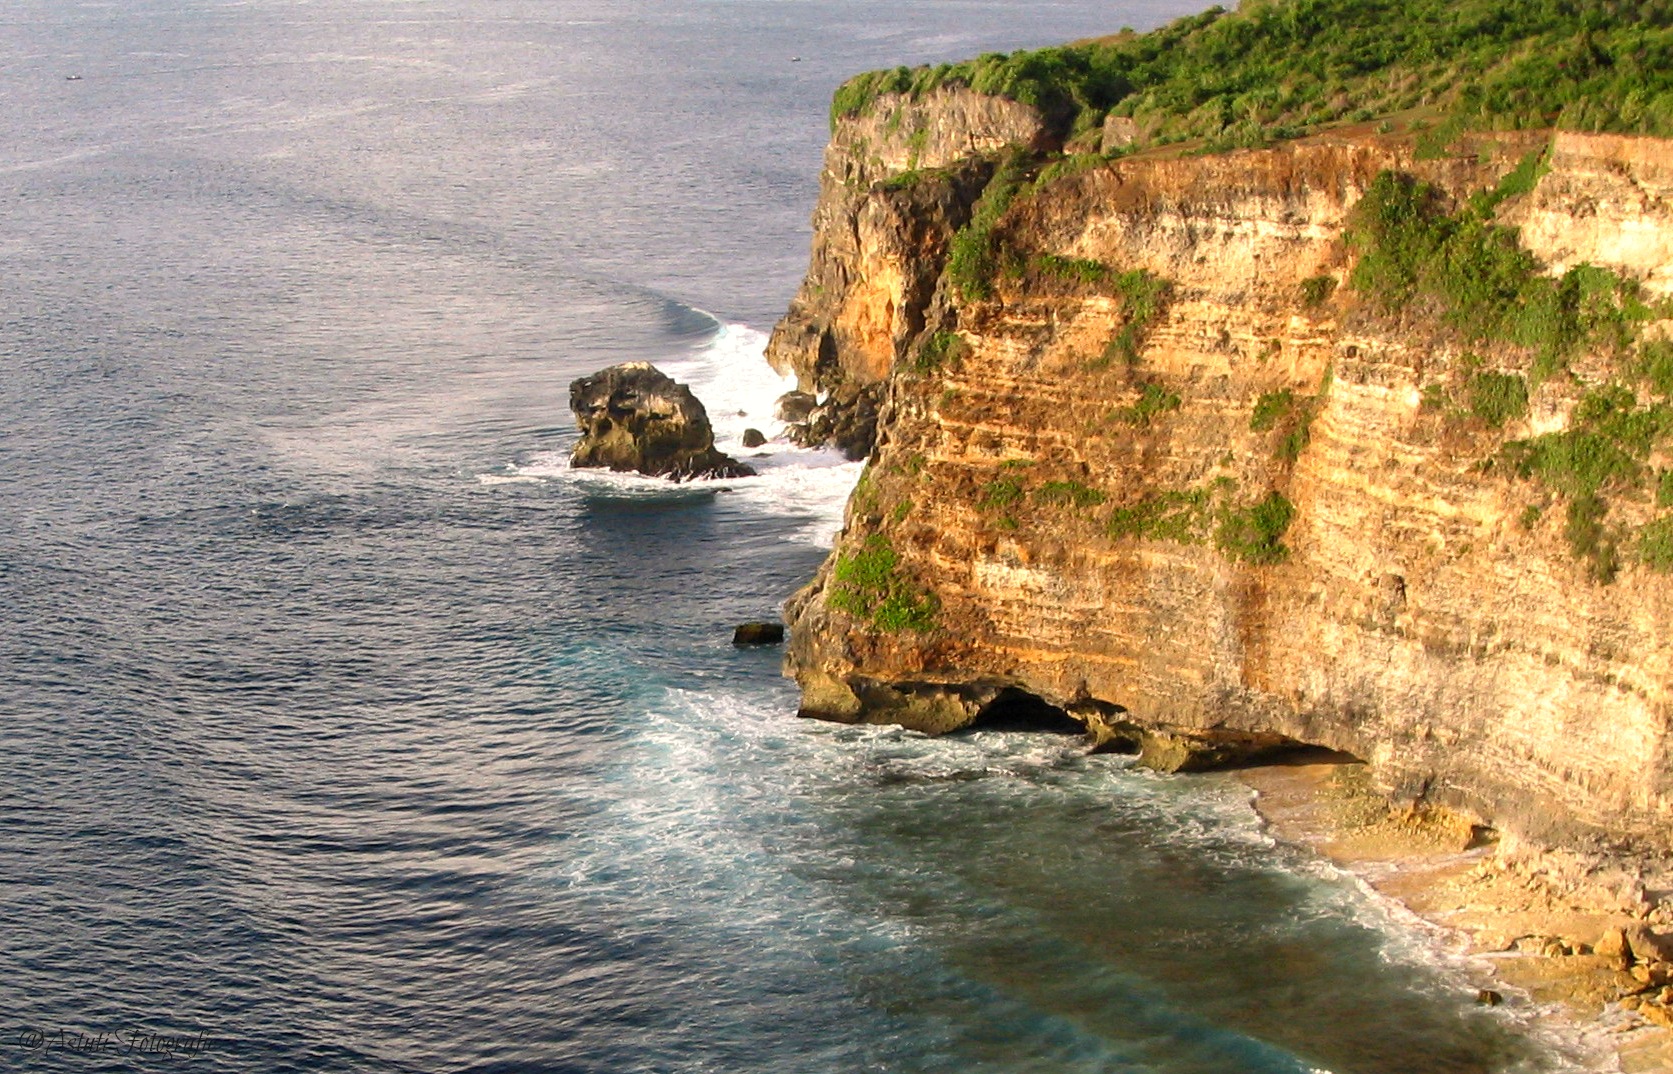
x=1173 y=466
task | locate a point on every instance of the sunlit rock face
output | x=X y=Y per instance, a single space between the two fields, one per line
x=1072 y=494
x=897 y=184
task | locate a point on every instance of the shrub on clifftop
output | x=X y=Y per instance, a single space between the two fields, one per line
x=1281 y=67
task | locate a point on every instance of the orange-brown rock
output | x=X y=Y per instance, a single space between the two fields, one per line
x=897 y=184
x=1047 y=510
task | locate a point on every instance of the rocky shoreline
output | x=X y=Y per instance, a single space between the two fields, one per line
x=1173 y=463
x=1579 y=947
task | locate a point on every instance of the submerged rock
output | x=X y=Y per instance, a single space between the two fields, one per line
x=1207 y=750
x=635 y=418
x=758 y=634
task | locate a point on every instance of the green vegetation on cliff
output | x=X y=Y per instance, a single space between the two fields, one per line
x=1179 y=515
x=1476 y=275
x=1143 y=297
x=1604 y=449
x=1000 y=494
x=1276 y=68
x=1284 y=409
x=1251 y=532
x=1438 y=264
x=1498 y=397
x=980 y=252
x=1069 y=493
x=868 y=584
x=1270 y=409
x=971 y=260
x=1420 y=257
x=1153 y=400
x=940 y=349
x=1254 y=533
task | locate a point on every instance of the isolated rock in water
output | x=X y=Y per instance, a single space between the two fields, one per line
x=633 y=417
x=754 y=438
x=758 y=634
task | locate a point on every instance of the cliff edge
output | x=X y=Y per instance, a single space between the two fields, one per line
x=1232 y=441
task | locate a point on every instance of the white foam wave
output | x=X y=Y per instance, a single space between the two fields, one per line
x=729 y=373
x=708 y=820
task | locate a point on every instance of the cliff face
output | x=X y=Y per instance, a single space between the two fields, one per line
x=1168 y=468
x=880 y=240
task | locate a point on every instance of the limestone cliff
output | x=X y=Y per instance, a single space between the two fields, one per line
x=896 y=185
x=1169 y=465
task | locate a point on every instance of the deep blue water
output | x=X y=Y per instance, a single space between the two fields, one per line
x=344 y=726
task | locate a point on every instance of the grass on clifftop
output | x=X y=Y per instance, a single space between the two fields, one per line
x=1277 y=68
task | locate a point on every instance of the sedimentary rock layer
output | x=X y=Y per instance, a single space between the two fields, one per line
x=1071 y=493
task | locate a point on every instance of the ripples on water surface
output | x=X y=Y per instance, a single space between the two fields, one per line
x=344 y=725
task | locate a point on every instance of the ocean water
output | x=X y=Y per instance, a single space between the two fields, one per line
x=345 y=729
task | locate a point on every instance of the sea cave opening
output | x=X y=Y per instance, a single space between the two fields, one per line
x=1014 y=709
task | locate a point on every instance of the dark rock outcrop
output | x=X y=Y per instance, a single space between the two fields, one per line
x=847 y=422
x=754 y=438
x=635 y=418
x=795 y=407
x=1179 y=749
x=758 y=634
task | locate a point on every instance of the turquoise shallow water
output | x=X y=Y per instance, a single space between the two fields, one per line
x=344 y=727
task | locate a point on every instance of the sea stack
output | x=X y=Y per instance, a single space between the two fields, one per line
x=635 y=418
